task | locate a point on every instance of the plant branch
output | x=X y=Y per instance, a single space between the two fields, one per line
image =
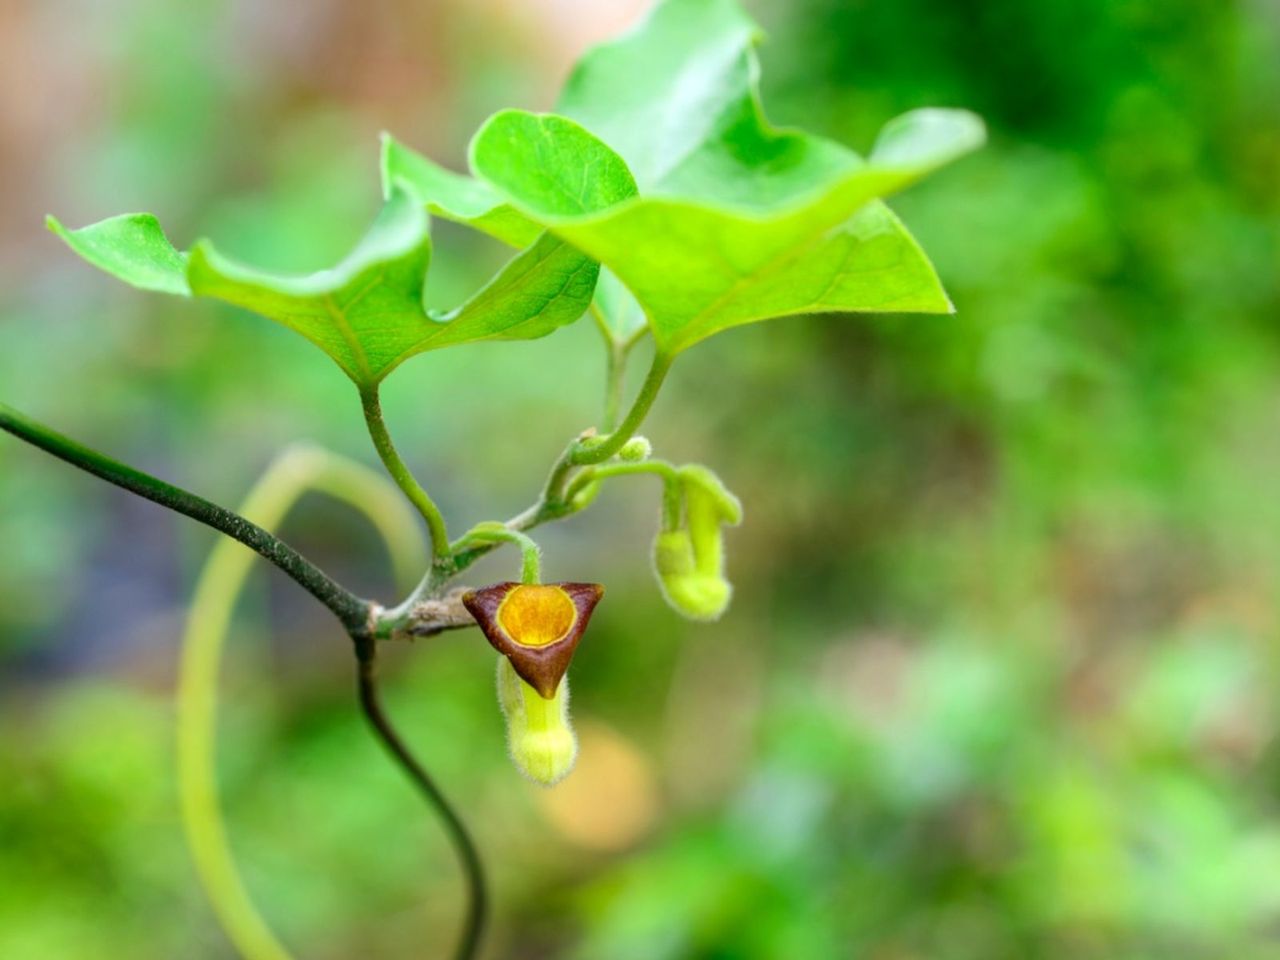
x=555 y=503
x=425 y=614
x=587 y=450
x=351 y=610
x=371 y=704
x=401 y=474
x=429 y=610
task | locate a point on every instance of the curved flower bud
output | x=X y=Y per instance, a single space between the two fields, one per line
x=689 y=561
x=536 y=626
x=539 y=737
x=693 y=594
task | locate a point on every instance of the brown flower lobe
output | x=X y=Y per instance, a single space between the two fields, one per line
x=535 y=626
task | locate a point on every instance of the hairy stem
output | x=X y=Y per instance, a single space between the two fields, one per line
x=495 y=533
x=430 y=610
x=401 y=474
x=371 y=704
x=600 y=449
x=554 y=502
x=208 y=624
x=351 y=610
x=671 y=500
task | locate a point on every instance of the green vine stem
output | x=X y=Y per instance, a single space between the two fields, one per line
x=554 y=503
x=600 y=449
x=221 y=581
x=400 y=472
x=362 y=620
x=557 y=502
x=352 y=611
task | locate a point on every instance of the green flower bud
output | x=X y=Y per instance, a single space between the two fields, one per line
x=690 y=561
x=635 y=450
x=691 y=592
x=539 y=737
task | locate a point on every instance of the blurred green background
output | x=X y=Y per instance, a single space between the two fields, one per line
x=1000 y=676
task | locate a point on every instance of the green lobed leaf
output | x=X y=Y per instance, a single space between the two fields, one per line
x=569 y=187
x=545 y=287
x=736 y=221
x=676 y=99
x=454 y=196
x=367 y=312
x=561 y=169
x=733 y=221
x=131 y=247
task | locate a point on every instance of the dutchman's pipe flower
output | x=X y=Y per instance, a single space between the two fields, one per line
x=536 y=627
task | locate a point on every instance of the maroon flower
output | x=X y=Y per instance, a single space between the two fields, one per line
x=536 y=626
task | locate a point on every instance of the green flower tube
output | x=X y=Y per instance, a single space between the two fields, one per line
x=539 y=737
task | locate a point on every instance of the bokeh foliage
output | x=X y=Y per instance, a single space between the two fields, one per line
x=999 y=676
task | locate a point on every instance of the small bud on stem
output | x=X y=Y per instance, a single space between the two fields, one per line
x=635 y=450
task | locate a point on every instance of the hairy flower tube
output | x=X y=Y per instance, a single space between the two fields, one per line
x=536 y=627
x=539 y=737
x=689 y=560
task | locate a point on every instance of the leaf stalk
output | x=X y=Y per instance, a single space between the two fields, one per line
x=400 y=472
